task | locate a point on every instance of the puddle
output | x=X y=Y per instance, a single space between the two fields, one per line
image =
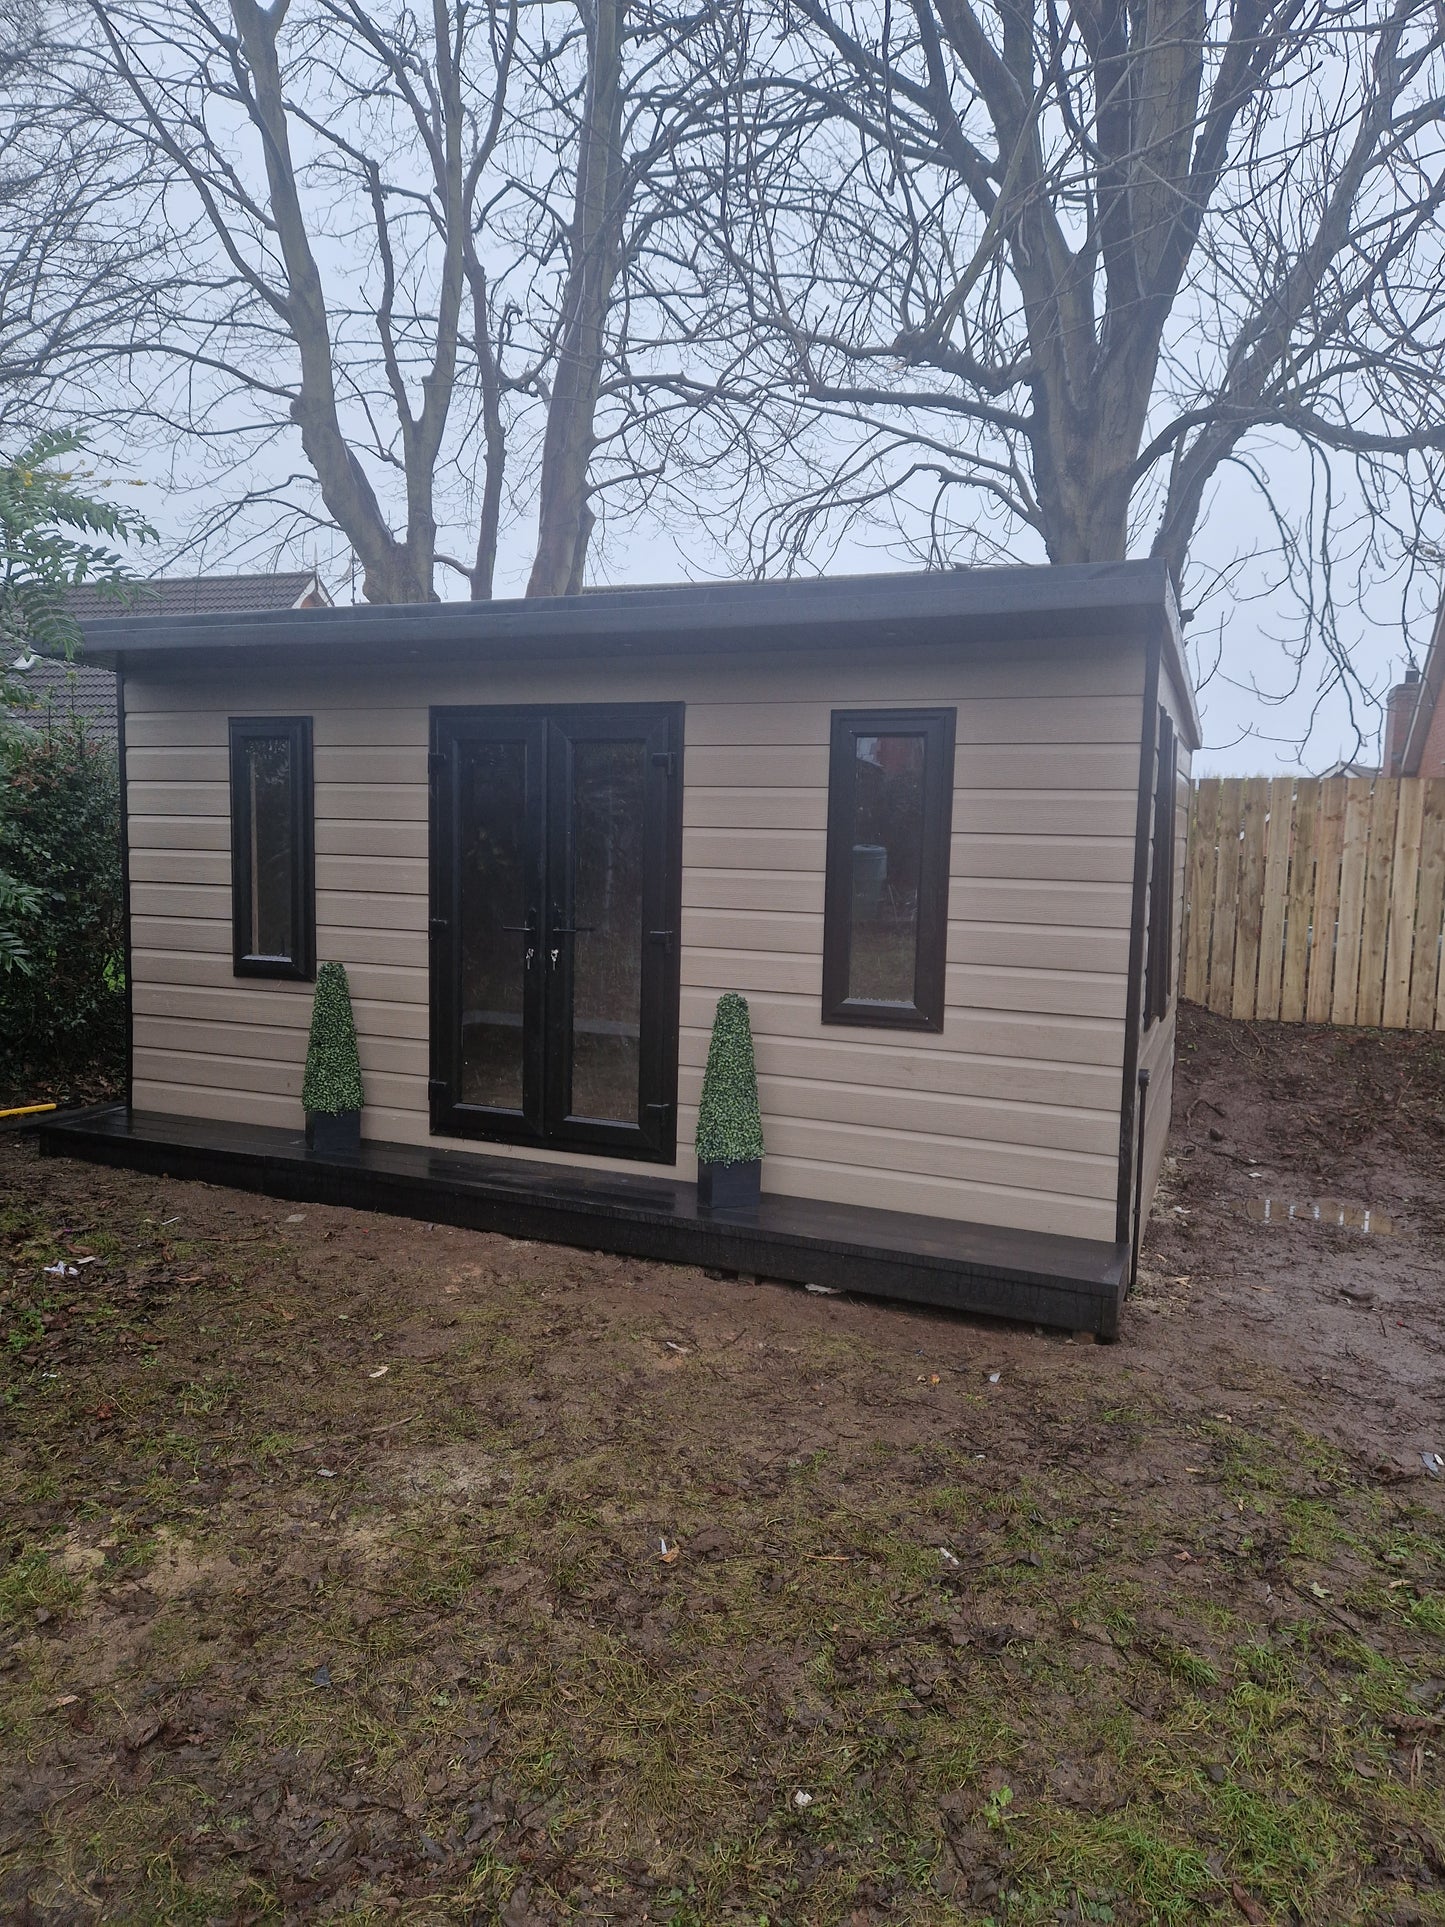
x=1349 y=1217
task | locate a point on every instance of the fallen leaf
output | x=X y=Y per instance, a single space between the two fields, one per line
x=380 y=1372
x=1246 y=1904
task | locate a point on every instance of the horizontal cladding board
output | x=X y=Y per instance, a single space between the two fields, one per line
x=201 y=1071
x=911 y=1114
x=273 y=1043
x=210 y=937
x=384 y=875
x=146 y=830
x=348 y=909
x=379 y=983
x=345 y=837
x=202 y=722
x=1029 y=718
x=1016 y=769
x=1026 y=722
x=853 y=676
x=961 y=1160
x=1045 y=813
x=1045 y=1038
x=370 y=802
x=1082 y=906
x=365 y=763
x=859 y=1059
x=1017 y=858
x=943 y=1198
x=214 y=998
x=801 y=933
x=1069 y=993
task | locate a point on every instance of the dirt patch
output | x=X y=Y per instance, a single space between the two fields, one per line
x=1353 y=1320
x=357 y=1570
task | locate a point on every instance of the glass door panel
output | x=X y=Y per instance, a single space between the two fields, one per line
x=499 y=935
x=606 y=894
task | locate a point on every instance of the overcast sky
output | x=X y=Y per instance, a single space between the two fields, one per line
x=1256 y=711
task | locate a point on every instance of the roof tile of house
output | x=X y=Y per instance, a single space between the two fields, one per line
x=86 y=692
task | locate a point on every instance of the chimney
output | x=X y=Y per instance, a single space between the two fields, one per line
x=1400 y=706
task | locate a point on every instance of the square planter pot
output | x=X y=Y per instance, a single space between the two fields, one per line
x=730 y=1187
x=333 y=1132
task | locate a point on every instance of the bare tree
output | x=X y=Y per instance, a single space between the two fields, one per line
x=323 y=165
x=73 y=227
x=1043 y=268
x=442 y=252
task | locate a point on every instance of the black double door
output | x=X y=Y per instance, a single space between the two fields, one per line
x=556 y=869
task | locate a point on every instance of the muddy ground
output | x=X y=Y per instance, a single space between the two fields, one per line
x=359 y=1570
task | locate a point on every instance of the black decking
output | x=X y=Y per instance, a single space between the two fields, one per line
x=1034 y=1276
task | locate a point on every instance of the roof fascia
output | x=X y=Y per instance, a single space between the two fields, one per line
x=1099 y=600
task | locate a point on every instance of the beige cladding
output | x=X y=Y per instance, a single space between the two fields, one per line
x=1009 y=1117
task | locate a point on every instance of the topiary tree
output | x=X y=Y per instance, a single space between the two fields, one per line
x=729 y=1123
x=332 y=1083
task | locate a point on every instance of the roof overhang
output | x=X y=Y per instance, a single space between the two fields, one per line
x=966 y=608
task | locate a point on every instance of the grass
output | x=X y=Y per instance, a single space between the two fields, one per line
x=461 y=1666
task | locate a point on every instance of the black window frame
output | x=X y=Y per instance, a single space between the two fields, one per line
x=551 y=730
x=925 y=1012
x=246 y=962
x=1159 y=954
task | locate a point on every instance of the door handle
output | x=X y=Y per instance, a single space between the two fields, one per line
x=529 y=931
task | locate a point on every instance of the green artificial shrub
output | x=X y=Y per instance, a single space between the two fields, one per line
x=729 y=1124
x=333 y=1070
x=62 y=939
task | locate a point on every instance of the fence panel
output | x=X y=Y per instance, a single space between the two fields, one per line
x=1317 y=900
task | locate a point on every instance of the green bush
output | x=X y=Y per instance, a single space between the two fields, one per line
x=62 y=980
x=332 y=1081
x=729 y=1124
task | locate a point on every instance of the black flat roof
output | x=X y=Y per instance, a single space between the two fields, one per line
x=1095 y=600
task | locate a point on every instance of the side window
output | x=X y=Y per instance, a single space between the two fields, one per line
x=273 y=898
x=1159 y=965
x=885 y=904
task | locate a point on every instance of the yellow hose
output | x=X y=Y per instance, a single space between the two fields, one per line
x=26 y=1110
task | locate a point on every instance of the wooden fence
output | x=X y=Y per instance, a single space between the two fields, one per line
x=1317 y=900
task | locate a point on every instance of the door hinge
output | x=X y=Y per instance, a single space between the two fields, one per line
x=658 y=1110
x=436 y=762
x=665 y=759
x=664 y=937
x=437 y=925
x=436 y=1087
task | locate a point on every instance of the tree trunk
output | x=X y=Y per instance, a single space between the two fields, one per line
x=565 y=519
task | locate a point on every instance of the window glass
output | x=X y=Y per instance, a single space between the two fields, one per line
x=887 y=853
x=270 y=782
x=273 y=911
x=885 y=922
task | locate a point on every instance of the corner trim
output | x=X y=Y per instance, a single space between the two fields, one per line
x=127 y=950
x=1134 y=1004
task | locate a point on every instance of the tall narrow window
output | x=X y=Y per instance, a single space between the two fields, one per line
x=1159 y=967
x=885 y=907
x=273 y=903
